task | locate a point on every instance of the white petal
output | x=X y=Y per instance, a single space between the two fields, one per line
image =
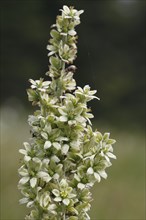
x=62 y=139
x=27 y=158
x=103 y=174
x=65 y=149
x=62 y=112
x=66 y=201
x=30 y=204
x=90 y=170
x=23 y=172
x=56 y=176
x=46 y=161
x=44 y=135
x=24 y=200
x=51 y=53
x=97 y=176
x=106 y=157
x=76 y=177
x=33 y=182
x=45 y=176
x=22 y=151
x=57 y=199
x=47 y=144
x=64 y=34
x=55 y=159
x=27 y=146
x=36 y=160
x=32 y=81
x=72 y=32
x=109 y=154
x=51 y=207
x=57 y=145
x=46 y=83
x=46 y=200
x=24 y=180
x=63 y=118
x=79 y=12
x=66 y=9
x=80 y=119
x=81 y=186
x=56 y=192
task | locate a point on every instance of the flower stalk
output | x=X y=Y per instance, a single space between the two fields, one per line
x=65 y=157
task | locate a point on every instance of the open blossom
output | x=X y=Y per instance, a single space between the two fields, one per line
x=64 y=193
x=64 y=157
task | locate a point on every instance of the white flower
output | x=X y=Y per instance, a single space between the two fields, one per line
x=26 y=177
x=63 y=194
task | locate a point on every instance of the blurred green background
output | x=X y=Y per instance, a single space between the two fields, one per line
x=111 y=59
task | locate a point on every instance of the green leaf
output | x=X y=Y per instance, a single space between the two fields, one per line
x=55 y=62
x=55 y=34
x=32 y=95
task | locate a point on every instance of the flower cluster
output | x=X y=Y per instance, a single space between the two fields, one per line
x=64 y=157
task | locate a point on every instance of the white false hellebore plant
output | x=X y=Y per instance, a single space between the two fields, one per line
x=64 y=157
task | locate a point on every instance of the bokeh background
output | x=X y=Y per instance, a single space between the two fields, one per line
x=111 y=59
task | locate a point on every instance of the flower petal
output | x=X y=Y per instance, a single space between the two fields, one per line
x=47 y=144
x=65 y=149
x=90 y=170
x=57 y=145
x=33 y=182
x=109 y=154
x=56 y=192
x=63 y=118
x=66 y=201
x=24 y=180
x=97 y=177
x=57 y=199
x=103 y=174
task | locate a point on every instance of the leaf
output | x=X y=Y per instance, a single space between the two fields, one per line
x=55 y=34
x=32 y=95
x=55 y=62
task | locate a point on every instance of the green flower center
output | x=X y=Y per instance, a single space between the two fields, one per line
x=63 y=194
